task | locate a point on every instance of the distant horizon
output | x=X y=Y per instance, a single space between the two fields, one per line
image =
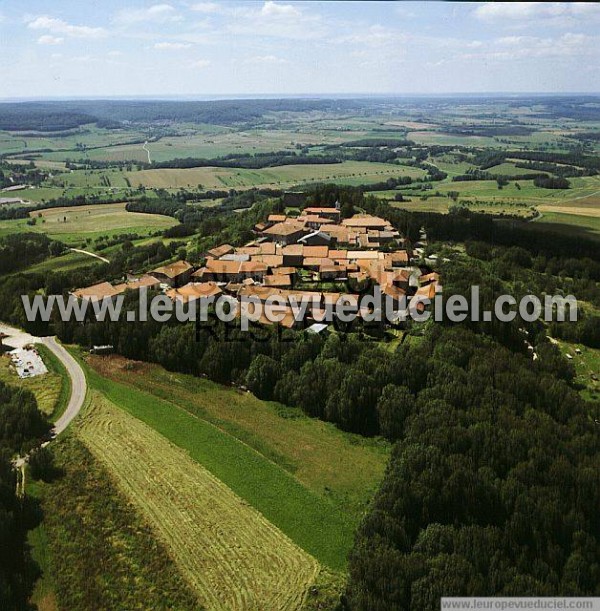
x=301 y=96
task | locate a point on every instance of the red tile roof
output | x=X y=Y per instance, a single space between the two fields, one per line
x=173 y=269
x=97 y=291
x=194 y=290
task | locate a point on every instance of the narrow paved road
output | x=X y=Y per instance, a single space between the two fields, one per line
x=18 y=338
x=78 y=383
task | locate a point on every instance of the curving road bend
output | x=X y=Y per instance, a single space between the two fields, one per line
x=18 y=338
x=78 y=383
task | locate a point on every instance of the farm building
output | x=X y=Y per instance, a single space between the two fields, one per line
x=327 y=213
x=96 y=292
x=293 y=255
x=231 y=271
x=219 y=251
x=194 y=290
x=316 y=238
x=288 y=232
x=174 y=274
x=135 y=284
x=366 y=222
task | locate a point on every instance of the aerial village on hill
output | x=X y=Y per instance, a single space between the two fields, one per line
x=316 y=249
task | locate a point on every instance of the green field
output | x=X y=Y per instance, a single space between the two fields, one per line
x=340 y=466
x=64 y=263
x=314 y=522
x=574 y=222
x=114 y=182
x=319 y=132
x=223 y=141
x=507 y=169
x=76 y=223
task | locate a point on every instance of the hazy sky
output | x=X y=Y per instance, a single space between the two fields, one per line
x=109 y=47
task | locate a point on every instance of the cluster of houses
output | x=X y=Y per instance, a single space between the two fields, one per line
x=308 y=256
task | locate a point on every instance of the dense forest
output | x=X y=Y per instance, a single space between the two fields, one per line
x=22 y=426
x=492 y=486
x=21 y=250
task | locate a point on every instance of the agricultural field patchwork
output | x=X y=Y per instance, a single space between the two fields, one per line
x=350 y=172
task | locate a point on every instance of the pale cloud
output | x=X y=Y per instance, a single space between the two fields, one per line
x=207 y=7
x=171 y=46
x=114 y=53
x=48 y=39
x=374 y=36
x=59 y=26
x=157 y=13
x=200 y=63
x=265 y=59
x=553 y=13
x=510 y=48
x=274 y=20
x=272 y=9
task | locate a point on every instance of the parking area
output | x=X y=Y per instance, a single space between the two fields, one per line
x=27 y=362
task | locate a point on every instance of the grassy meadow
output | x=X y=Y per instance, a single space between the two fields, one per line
x=314 y=523
x=245 y=503
x=587 y=367
x=72 y=224
x=342 y=467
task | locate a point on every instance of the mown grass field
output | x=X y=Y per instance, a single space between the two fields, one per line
x=507 y=169
x=442 y=204
x=65 y=143
x=94 y=549
x=230 y=555
x=67 y=262
x=340 y=466
x=444 y=139
x=49 y=191
x=72 y=224
x=580 y=190
x=314 y=523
